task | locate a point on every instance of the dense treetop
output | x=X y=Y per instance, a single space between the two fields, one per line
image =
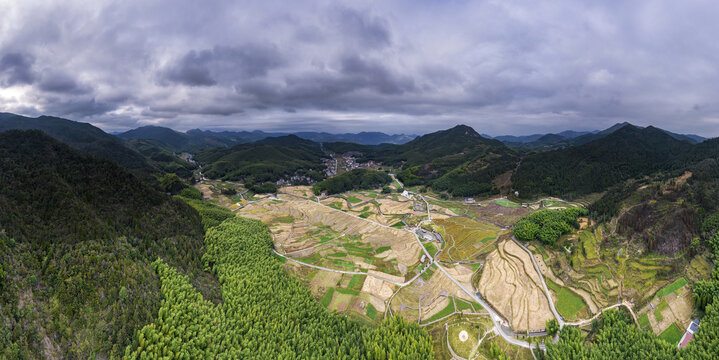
x=357 y=179
x=77 y=236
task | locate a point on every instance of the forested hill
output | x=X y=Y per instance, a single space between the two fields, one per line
x=78 y=235
x=457 y=160
x=595 y=166
x=270 y=159
x=177 y=141
x=81 y=136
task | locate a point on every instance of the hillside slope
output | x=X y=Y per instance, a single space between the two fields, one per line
x=270 y=159
x=78 y=235
x=595 y=166
x=81 y=136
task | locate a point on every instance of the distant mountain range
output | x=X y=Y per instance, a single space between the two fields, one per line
x=575 y=138
x=195 y=139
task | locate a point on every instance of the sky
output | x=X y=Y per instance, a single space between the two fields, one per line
x=414 y=66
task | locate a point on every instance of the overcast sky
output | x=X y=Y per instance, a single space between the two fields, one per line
x=415 y=66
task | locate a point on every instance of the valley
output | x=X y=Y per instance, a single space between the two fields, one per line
x=489 y=275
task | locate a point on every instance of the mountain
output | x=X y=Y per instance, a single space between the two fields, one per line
x=78 y=235
x=178 y=142
x=544 y=142
x=457 y=160
x=196 y=138
x=518 y=139
x=81 y=136
x=625 y=153
x=511 y=139
x=269 y=159
x=365 y=138
x=162 y=156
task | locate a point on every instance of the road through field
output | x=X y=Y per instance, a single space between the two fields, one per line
x=560 y=320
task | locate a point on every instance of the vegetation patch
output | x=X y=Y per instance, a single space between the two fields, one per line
x=353 y=200
x=371 y=312
x=548 y=225
x=327 y=297
x=644 y=321
x=676 y=285
x=431 y=248
x=568 y=303
x=444 y=312
x=506 y=203
x=672 y=334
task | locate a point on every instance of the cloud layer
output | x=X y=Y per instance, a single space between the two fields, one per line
x=343 y=66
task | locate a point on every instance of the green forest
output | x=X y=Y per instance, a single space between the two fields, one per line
x=357 y=179
x=265 y=313
x=78 y=236
x=270 y=159
x=548 y=225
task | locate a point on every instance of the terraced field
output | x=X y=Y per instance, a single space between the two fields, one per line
x=465 y=238
x=512 y=286
x=322 y=236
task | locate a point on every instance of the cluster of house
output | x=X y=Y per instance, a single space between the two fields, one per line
x=295 y=180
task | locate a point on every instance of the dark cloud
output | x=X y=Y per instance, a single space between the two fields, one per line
x=16 y=69
x=366 y=30
x=502 y=67
x=61 y=83
x=196 y=68
x=76 y=107
x=192 y=70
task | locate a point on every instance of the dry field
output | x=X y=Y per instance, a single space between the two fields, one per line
x=299 y=191
x=512 y=286
x=302 y=219
x=498 y=214
x=464 y=238
x=433 y=294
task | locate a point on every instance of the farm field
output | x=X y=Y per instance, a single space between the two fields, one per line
x=568 y=304
x=672 y=334
x=511 y=285
x=464 y=238
x=322 y=236
x=673 y=304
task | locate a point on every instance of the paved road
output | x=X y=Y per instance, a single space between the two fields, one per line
x=353 y=272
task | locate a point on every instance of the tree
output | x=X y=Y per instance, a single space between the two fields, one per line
x=552 y=327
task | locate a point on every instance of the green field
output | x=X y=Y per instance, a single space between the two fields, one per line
x=658 y=315
x=382 y=249
x=356 y=282
x=371 y=311
x=676 y=285
x=506 y=203
x=444 y=312
x=644 y=321
x=463 y=305
x=568 y=303
x=327 y=298
x=353 y=199
x=347 y=291
x=428 y=274
x=367 y=214
x=431 y=248
x=589 y=244
x=672 y=334
x=398 y=225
